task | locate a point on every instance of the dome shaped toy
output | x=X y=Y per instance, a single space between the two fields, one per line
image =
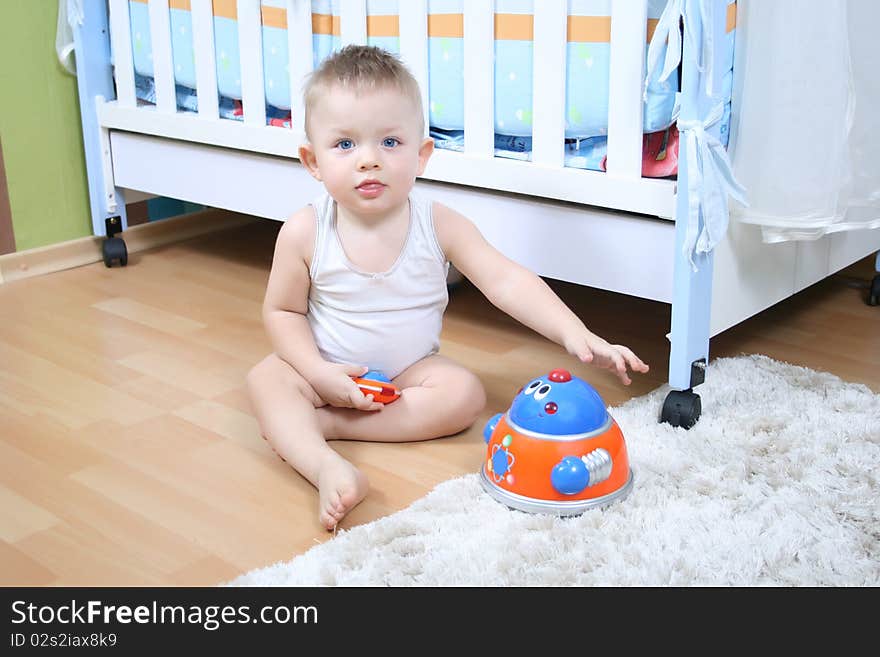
x=556 y=450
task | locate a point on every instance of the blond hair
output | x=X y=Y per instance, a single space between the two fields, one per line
x=361 y=68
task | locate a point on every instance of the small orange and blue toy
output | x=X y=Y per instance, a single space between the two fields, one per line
x=377 y=384
x=556 y=450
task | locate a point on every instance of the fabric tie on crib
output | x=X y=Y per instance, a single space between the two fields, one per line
x=709 y=182
x=667 y=34
x=70 y=16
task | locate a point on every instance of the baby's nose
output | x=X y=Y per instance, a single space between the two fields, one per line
x=368 y=163
x=368 y=160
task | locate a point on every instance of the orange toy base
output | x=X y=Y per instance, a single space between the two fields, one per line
x=382 y=392
x=528 y=486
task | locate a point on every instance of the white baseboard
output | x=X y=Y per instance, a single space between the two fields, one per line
x=87 y=250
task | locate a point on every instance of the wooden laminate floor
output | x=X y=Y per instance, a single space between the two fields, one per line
x=129 y=454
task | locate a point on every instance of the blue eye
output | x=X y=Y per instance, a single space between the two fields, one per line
x=390 y=142
x=345 y=144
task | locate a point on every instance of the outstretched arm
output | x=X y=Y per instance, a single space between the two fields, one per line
x=522 y=294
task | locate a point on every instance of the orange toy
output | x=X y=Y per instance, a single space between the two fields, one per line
x=556 y=450
x=377 y=384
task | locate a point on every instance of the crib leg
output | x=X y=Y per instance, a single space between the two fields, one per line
x=689 y=352
x=874 y=290
x=94 y=77
x=681 y=408
x=691 y=313
x=692 y=284
x=113 y=249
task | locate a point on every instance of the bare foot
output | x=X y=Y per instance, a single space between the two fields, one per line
x=341 y=486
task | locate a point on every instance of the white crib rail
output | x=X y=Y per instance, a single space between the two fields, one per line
x=479 y=78
x=250 y=48
x=300 y=59
x=548 y=87
x=123 y=69
x=206 y=67
x=353 y=22
x=163 y=64
x=628 y=48
x=413 y=22
x=620 y=187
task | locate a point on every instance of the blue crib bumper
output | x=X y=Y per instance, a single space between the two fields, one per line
x=587 y=54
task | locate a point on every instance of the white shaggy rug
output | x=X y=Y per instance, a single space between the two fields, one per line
x=777 y=484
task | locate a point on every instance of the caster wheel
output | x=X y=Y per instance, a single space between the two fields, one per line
x=874 y=292
x=114 y=249
x=681 y=408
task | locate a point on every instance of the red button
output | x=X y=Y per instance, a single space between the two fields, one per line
x=559 y=376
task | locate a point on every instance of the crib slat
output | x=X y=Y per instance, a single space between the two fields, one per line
x=120 y=36
x=203 y=45
x=548 y=89
x=163 y=65
x=250 y=48
x=299 y=57
x=353 y=22
x=479 y=78
x=414 y=45
x=627 y=72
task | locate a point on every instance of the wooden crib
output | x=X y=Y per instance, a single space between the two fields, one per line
x=614 y=230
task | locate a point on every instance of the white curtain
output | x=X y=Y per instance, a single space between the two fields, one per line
x=805 y=139
x=70 y=14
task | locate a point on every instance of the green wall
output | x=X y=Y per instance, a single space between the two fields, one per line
x=40 y=129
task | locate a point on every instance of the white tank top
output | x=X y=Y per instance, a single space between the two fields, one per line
x=386 y=321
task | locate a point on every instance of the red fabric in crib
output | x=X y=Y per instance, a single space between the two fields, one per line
x=659 y=154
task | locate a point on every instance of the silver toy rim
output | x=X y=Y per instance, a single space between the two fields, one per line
x=533 y=505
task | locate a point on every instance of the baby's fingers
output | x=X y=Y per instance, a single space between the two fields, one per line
x=368 y=404
x=354 y=370
x=635 y=363
x=619 y=365
x=363 y=402
x=584 y=354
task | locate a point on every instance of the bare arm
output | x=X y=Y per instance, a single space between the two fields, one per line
x=286 y=302
x=285 y=307
x=522 y=294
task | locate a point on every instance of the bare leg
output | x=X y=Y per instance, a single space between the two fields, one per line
x=286 y=405
x=438 y=398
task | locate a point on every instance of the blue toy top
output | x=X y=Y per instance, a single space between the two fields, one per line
x=376 y=375
x=558 y=404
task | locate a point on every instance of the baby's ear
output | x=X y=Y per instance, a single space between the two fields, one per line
x=425 y=151
x=309 y=161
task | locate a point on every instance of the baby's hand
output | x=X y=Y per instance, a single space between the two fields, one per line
x=590 y=348
x=334 y=385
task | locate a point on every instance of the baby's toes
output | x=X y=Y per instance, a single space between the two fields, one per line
x=330 y=513
x=327 y=521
